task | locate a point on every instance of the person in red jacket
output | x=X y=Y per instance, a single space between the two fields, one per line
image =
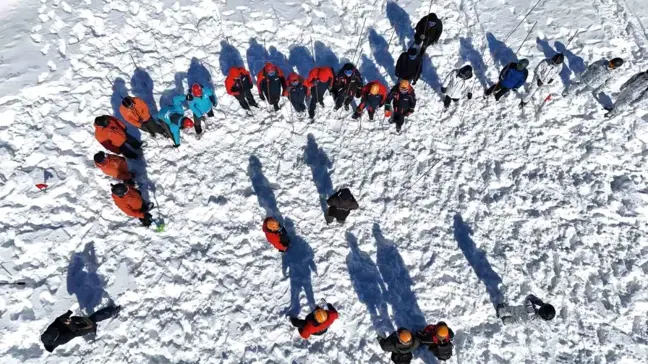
x=271 y=83
x=113 y=166
x=111 y=133
x=239 y=84
x=373 y=96
x=317 y=322
x=130 y=201
x=276 y=234
x=320 y=80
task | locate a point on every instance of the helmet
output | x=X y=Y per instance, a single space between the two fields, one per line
x=294 y=79
x=442 y=331
x=404 y=85
x=374 y=89
x=320 y=315
x=272 y=224
x=101 y=121
x=616 y=63
x=119 y=189
x=558 y=58
x=522 y=64
x=196 y=90
x=270 y=69
x=465 y=72
x=187 y=123
x=128 y=102
x=404 y=336
x=547 y=311
x=100 y=157
x=412 y=51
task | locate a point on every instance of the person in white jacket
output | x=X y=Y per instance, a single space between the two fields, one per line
x=544 y=74
x=596 y=76
x=632 y=92
x=532 y=309
x=456 y=84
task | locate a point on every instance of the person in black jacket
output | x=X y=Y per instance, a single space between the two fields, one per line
x=340 y=205
x=67 y=327
x=296 y=92
x=428 y=31
x=408 y=66
x=347 y=86
x=403 y=100
x=438 y=338
x=401 y=344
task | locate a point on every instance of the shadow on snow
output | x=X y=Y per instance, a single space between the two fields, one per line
x=83 y=279
x=319 y=163
x=297 y=264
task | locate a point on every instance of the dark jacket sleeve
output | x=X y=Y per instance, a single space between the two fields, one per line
x=330 y=307
x=333 y=200
x=420 y=26
x=505 y=70
x=64 y=316
x=388 y=344
x=399 y=65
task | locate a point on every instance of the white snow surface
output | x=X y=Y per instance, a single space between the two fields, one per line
x=556 y=205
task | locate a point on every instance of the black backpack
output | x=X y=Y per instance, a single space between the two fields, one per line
x=442 y=351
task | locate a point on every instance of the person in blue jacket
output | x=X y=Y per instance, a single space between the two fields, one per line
x=201 y=100
x=512 y=77
x=172 y=119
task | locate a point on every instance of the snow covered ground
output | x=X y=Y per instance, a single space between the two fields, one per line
x=512 y=204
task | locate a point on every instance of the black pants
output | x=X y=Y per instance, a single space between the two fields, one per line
x=298 y=105
x=398 y=358
x=129 y=147
x=298 y=323
x=343 y=98
x=152 y=128
x=198 y=124
x=499 y=91
x=399 y=119
x=336 y=213
x=447 y=100
x=246 y=99
x=103 y=314
x=371 y=111
x=272 y=99
x=317 y=96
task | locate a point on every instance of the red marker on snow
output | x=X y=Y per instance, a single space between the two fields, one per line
x=41 y=186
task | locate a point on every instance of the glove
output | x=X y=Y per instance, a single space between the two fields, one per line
x=146 y=221
x=262 y=97
x=356 y=115
x=444 y=89
x=285 y=93
x=189 y=97
x=539 y=82
x=414 y=82
x=388 y=113
x=550 y=81
x=410 y=112
x=210 y=113
x=469 y=95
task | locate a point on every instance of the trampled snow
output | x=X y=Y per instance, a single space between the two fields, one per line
x=508 y=203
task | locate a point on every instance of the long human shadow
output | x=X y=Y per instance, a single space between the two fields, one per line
x=229 y=57
x=380 y=51
x=83 y=279
x=119 y=92
x=256 y=57
x=301 y=59
x=370 y=72
x=399 y=295
x=319 y=163
x=198 y=73
x=500 y=52
x=297 y=264
x=369 y=286
x=477 y=260
x=262 y=189
x=401 y=22
x=324 y=56
x=142 y=86
x=574 y=63
x=278 y=59
x=549 y=52
x=468 y=53
x=166 y=98
x=430 y=76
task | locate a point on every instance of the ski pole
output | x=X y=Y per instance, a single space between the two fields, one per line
x=12 y=283
x=525 y=38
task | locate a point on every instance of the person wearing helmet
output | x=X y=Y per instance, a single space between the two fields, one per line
x=172 y=120
x=239 y=84
x=438 y=338
x=271 y=84
x=276 y=234
x=596 y=77
x=130 y=201
x=401 y=99
x=408 y=66
x=632 y=92
x=66 y=327
x=543 y=75
x=135 y=111
x=111 y=133
x=512 y=77
x=373 y=97
x=201 y=100
x=113 y=166
x=401 y=344
x=296 y=92
x=347 y=86
x=428 y=31
x=320 y=80
x=340 y=205
x=532 y=309
x=317 y=322
x=456 y=84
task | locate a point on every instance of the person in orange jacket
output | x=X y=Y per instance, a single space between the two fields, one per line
x=373 y=96
x=317 y=322
x=239 y=84
x=276 y=234
x=135 y=111
x=111 y=133
x=113 y=166
x=271 y=83
x=296 y=92
x=320 y=80
x=130 y=201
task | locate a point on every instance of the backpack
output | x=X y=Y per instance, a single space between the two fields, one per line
x=442 y=351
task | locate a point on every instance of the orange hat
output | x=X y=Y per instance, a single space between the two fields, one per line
x=321 y=315
x=404 y=85
x=375 y=89
x=272 y=224
x=404 y=336
x=442 y=331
